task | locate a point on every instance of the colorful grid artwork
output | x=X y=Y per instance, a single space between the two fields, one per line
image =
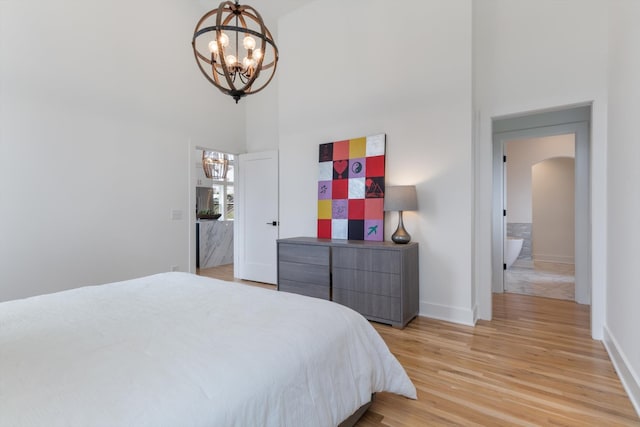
x=351 y=189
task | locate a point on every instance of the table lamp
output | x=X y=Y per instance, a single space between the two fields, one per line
x=400 y=198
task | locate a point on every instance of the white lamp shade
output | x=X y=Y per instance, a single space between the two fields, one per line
x=400 y=198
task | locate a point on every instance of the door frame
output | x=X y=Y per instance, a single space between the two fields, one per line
x=576 y=121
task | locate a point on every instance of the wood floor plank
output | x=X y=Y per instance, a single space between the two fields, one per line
x=534 y=364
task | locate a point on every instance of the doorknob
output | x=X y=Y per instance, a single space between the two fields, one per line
x=274 y=223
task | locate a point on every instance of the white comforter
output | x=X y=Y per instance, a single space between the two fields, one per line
x=180 y=350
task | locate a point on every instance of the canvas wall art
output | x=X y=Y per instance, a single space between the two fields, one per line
x=351 y=189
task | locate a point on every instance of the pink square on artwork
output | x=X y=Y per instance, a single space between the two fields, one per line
x=374 y=209
x=341 y=150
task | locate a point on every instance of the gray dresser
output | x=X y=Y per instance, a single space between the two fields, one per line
x=377 y=279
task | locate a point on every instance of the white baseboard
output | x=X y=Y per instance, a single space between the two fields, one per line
x=560 y=259
x=627 y=376
x=448 y=313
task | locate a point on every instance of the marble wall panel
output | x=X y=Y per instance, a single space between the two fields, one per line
x=216 y=243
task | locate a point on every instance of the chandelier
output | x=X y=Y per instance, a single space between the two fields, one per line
x=215 y=165
x=222 y=37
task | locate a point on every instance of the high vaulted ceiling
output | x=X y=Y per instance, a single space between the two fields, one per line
x=270 y=10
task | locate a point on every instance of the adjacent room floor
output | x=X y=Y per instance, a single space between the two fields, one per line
x=543 y=279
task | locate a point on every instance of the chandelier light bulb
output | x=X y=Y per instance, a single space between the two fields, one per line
x=213 y=46
x=257 y=54
x=224 y=40
x=248 y=63
x=231 y=60
x=249 y=43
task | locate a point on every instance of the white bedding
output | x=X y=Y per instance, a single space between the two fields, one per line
x=181 y=350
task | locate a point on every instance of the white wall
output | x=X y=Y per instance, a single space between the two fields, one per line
x=262 y=118
x=623 y=155
x=100 y=102
x=521 y=156
x=535 y=55
x=262 y=131
x=262 y=108
x=363 y=76
x=553 y=200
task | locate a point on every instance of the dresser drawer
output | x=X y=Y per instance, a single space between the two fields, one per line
x=360 y=258
x=376 y=283
x=317 y=291
x=378 y=307
x=304 y=254
x=304 y=273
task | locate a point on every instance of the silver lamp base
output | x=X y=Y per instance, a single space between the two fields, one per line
x=400 y=235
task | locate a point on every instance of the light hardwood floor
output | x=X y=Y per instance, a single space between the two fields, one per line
x=225 y=272
x=533 y=364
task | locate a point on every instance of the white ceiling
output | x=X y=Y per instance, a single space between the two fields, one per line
x=270 y=10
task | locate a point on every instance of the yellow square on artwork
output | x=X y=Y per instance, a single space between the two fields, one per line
x=357 y=148
x=324 y=209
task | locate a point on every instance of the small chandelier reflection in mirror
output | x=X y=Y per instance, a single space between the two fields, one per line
x=222 y=37
x=215 y=165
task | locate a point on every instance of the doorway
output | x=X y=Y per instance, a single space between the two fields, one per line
x=213 y=209
x=539 y=250
x=573 y=121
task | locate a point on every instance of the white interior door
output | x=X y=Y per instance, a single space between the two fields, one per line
x=258 y=217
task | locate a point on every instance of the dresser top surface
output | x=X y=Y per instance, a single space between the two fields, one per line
x=343 y=242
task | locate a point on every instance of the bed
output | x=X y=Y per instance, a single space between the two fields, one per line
x=176 y=349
